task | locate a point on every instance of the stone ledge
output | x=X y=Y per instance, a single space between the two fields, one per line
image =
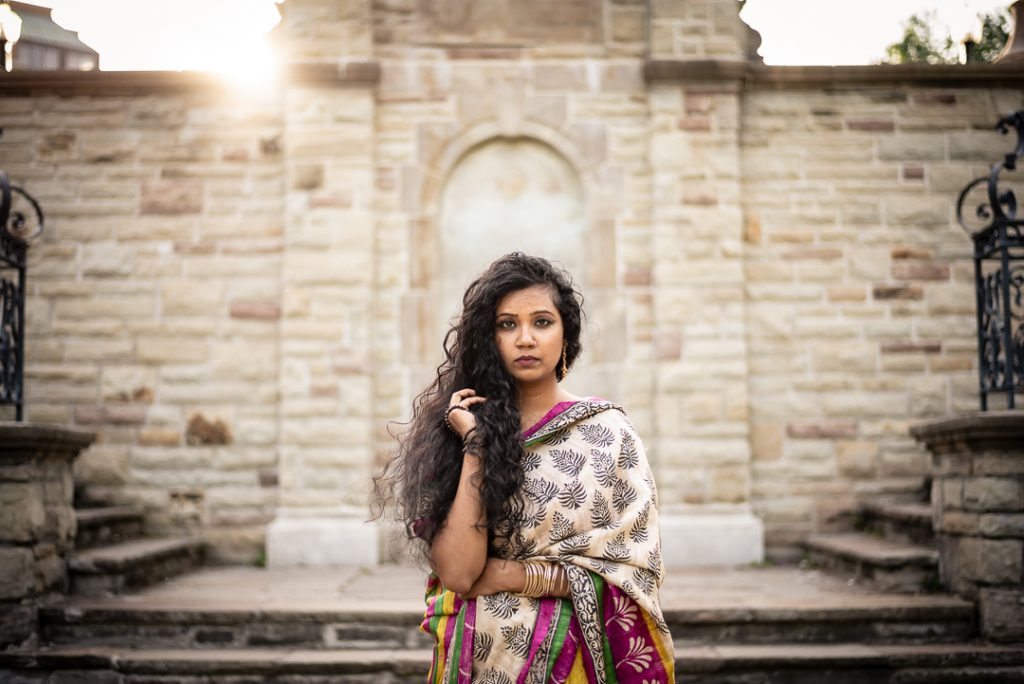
x=763 y=77
x=691 y=659
x=27 y=439
x=362 y=74
x=973 y=432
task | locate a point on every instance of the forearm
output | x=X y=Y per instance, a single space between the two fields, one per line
x=511 y=576
x=459 y=552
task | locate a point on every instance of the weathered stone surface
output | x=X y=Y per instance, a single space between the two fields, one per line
x=990 y=561
x=992 y=494
x=22 y=512
x=17 y=572
x=172 y=197
x=1001 y=614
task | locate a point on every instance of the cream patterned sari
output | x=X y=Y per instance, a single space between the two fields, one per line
x=592 y=507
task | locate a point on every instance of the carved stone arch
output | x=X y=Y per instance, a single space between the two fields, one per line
x=546 y=177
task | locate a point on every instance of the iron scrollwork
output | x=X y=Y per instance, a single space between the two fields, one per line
x=21 y=220
x=996 y=230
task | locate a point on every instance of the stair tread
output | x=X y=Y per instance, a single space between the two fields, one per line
x=126 y=554
x=149 y=611
x=98 y=516
x=908 y=511
x=866 y=547
x=691 y=657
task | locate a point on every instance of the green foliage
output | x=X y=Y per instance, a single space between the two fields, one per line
x=919 y=44
x=995 y=31
x=921 y=41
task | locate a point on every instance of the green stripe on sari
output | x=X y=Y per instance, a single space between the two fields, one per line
x=455 y=648
x=561 y=633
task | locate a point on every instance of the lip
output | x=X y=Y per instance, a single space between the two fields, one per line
x=527 y=361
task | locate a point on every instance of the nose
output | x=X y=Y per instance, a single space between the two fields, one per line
x=525 y=339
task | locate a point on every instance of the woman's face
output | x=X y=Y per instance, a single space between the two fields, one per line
x=528 y=331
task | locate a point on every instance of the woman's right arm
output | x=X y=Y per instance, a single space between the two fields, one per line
x=459 y=551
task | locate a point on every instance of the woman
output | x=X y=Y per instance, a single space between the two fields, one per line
x=536 y=508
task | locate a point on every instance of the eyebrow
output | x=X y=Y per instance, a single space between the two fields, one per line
x=539 y=311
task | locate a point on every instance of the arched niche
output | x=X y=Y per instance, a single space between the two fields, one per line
x=504 y=195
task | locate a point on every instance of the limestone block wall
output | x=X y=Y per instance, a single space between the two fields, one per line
x=155 y=294
x=859 y=285
x=326 y=354
x=700 y=395
x=697 y=29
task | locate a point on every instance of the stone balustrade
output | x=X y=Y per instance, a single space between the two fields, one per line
x=37 y=522
x=978 y=508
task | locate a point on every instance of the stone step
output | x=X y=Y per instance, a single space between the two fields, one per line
x=141 y=624
x=107 y=525
x=130 y=565
x=877 y=563
x=899 y=521
x=788 y=663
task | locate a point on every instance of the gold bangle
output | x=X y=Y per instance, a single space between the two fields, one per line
x=534 y=587
x=549 y=578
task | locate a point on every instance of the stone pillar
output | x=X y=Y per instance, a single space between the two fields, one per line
x=326 y=419
x=37 y=522
x=702 y=450
x=977 y=465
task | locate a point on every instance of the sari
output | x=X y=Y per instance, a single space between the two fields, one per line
x=591 y=506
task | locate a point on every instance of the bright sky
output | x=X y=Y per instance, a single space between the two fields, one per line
x=228 y=35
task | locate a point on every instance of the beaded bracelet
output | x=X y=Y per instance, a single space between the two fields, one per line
x=448 y=412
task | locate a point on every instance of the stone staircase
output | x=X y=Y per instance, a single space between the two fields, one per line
x=234 y=625
x=112 y=557
x=891 y=547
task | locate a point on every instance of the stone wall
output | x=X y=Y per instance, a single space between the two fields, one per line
x=859 y=285
x=155 y=294
x=977 y=462
x=238 y=292
x=37 y=523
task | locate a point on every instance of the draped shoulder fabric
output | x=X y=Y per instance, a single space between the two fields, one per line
x=591 y=506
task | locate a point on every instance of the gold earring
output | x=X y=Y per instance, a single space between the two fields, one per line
x=565 y=366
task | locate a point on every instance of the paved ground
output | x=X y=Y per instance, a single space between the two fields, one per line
x=401 y=589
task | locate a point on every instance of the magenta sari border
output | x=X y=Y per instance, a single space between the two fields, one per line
x=555 y=410
x=563 y=664
x=540 y=634
x=468 y=637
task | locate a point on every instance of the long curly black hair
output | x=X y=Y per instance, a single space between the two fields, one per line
x=421 y=477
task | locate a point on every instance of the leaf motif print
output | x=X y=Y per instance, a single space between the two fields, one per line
x=639 y=655
x=558 y=437
x=482 y=644
x=622 y=495
x=649 y=481
x=616 y=549
x=540 y=490
x=604 y=467
x=527 y=546
x=504 y=605
x=600 y=514
x=623 y=612
x=597 y=434
x=575 y=545
x=561 y=528
x=645 y=580
x=654 y=560
x=638 y=533
x=530 y=461
x=574 y=495
x=517 y=639
x=603 y=567
x=628 y=455
x=492 y=676
x=568 y=461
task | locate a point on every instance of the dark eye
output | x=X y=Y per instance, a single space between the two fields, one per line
x=544 y=322
x=506 y=324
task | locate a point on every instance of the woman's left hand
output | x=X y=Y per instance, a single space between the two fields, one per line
x=499 y=575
